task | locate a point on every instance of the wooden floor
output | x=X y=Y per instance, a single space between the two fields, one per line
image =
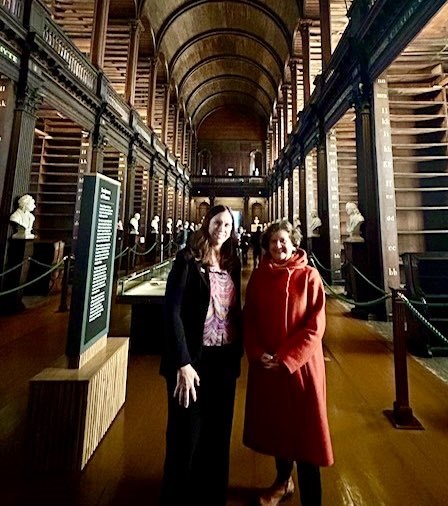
x=375 y=463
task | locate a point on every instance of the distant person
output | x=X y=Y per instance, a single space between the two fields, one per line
x=256 y=246
x=23 y=218
x=284 y=322
x=201 y=362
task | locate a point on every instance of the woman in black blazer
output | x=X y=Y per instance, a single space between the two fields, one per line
x=201 y=362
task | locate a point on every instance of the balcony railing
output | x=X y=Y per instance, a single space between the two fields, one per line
x=235 y=186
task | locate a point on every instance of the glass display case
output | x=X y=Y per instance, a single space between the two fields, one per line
x=146 y=286
x=145 y=291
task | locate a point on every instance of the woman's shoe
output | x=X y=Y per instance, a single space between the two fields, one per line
x=276 y=493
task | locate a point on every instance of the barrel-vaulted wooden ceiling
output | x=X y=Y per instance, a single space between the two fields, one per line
x=213 y=53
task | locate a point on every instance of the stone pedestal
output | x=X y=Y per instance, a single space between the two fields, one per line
x=70 y=410
x=19 y=250
x=358 y=288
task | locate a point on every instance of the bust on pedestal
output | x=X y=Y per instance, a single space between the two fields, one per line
x=354 y=221
x=23 y=218
x=134 y=224
x=315 y=223
x=20 y=249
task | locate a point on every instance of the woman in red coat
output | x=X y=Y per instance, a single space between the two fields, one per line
x=284 y=322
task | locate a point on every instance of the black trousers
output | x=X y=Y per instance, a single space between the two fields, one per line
x=196 y=468
x=308 y=476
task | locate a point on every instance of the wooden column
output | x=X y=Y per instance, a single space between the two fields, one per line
x=98 y=42
x=329 y=244
x=280 y=125
x=376 y=188
x=293 y=66
x=285 y=91
x=303 y=200
x=18 y=166
x=176 y=204
x=175 y=127
x=294 y=196
x=130 y=183
x=166 y=113
x=325 y=32
x=151 y=92
x=305 y=35
x=132 y=61
x=183 y=141
x=246 y=218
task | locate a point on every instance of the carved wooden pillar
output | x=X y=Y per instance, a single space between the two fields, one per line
x=286 y=90
x=280 y=125
x=294 y=196
x=175 y=127
x=18 y=166
x=98 y=142
x=329 y=244
x=132 y=62
x=176 y=203
x=293 y=66
x=98 y=42
x=183 y=141
x=129 y=190
x=151 y=92
x=325 y=31
x=376 y=188
x=166 y=113
x=305 y=35
x=303 y=201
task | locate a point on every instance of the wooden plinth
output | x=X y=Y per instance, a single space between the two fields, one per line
x=70 y=410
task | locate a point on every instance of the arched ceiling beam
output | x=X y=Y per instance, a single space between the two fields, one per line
x=233 y=94
x=194 y=4
x=198 y=67
x=253 y=109
x=225 y=31
x=196 y=92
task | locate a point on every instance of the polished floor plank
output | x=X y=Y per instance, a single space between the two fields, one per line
x=375 y=463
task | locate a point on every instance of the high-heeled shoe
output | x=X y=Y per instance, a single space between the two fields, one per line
x=276 y=493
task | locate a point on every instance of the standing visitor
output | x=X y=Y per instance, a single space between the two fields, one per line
x=201 y=363
x=284 y=322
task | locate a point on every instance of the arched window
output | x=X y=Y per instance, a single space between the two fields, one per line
x=256 y=163
x=204 y=162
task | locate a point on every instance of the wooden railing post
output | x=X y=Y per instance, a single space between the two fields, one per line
x=401 y=415
x=64 y=289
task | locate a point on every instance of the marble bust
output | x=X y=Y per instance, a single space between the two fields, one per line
x=23 y=218
x=155 y=225
x=354 y=221
x=315 y=223
x=169 y=226
x=133 y=224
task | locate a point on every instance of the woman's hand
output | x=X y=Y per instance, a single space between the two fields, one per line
x=269 y=361
x=187 y=380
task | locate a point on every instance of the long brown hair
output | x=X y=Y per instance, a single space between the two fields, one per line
x=199 y=242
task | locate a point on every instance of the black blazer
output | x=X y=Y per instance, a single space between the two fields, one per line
x=187 y=299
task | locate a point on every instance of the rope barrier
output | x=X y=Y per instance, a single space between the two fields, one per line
x=14 y=268
x=312 y=255
x=29 y=283
x=420 y=317
x=144 y=252
x=122 y=253
x=48 y=266
x=367 y=280
x=350 y=301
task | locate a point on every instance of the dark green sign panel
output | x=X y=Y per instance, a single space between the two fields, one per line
x=94 y=263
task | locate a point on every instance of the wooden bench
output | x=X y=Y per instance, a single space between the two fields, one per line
x=426 y=277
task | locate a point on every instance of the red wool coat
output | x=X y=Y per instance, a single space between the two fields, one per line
x=284 y=315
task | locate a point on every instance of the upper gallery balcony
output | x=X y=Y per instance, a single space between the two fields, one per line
x=229 y=186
